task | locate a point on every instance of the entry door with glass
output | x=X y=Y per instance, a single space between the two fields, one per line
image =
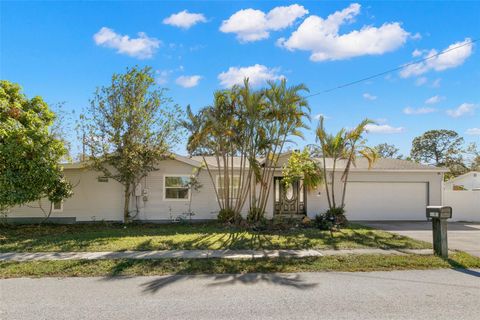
x=289 y=199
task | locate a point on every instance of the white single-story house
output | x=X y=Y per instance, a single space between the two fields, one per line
x=391 y=190
x=469 y=181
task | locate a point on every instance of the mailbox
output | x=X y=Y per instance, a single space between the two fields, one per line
x=439 y=212
x=439 y=216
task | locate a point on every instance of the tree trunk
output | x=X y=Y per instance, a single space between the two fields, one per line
x=126 y=213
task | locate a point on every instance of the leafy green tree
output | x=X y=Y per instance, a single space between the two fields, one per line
x=30 y=154
x=473 y=154
x=301 y=165
x=129 y=127
x=441 y=148
x=438 y=147
x=388 y=151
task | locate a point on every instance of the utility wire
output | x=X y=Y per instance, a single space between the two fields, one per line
x=391 y=70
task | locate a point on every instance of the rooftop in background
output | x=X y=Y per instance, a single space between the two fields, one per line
x=381 y=164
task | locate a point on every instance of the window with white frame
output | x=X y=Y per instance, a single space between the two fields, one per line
x=176 y=187
x=234 y=186
x=57 y=206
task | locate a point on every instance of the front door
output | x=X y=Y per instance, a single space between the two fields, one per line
x=289 y=199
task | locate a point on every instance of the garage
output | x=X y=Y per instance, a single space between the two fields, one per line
x=386 y=200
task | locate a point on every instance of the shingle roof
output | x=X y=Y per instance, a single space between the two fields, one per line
x=361 y=164
x=382 y=164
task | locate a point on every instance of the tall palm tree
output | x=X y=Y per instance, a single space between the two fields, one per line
x=284 y=117
x=332 y=146
x=356 y=147
x=345 y=146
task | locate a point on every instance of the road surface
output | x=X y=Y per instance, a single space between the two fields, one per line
x=434 y=294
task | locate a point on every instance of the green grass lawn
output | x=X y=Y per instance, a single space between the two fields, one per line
x=125 y=267
x=99 y=237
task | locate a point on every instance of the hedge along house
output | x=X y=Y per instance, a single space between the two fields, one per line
x=390 y=190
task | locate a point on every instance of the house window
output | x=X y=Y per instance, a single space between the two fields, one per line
x=234 y=186
x=57 y=206
x=176 y=187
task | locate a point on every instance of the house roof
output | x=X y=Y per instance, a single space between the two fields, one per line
x=382 y=164
x=463 y=176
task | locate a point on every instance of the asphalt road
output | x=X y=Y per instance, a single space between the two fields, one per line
x=463 y=236
x=435 y=294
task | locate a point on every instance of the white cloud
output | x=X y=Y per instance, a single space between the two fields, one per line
x=462 y=110
x=321 y=37
x=161 y=76
x=436 y=83
x=421 y=81
x=369 y=96
x=417 y=53
x=473 y=131
x=450 y=59
x=384 y=129
x=434 y=100
x=413 y=111
x=142 y=47
x=253 y=25
x=257 y=75
x=416 y=36
x=188 y=81
x=184 y=19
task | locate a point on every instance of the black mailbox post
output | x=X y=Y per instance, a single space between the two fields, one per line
x=439 y=216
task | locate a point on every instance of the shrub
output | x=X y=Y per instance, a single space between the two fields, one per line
x=333 y=217
x=255 y=215
x=324 y=222
x=226 y=216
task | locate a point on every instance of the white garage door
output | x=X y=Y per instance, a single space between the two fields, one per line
x=386 y=200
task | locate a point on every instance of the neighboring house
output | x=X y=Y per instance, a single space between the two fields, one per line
x=468 y=181
x=391 y=190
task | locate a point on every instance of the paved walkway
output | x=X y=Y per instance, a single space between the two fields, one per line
x=198 y=254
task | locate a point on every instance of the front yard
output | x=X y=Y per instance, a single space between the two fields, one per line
x=96 y=237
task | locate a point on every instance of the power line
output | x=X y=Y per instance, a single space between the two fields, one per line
x=391 y=70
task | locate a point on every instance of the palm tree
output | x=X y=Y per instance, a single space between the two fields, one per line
x=284 y=117
x=345 y=146
x=355 y=147
x=332 y=146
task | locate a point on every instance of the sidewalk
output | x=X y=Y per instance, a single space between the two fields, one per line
x=199 y=254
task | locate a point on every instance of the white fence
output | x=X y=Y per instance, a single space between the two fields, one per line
x=465 y=204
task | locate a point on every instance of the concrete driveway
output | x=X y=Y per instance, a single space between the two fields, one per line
x=461 y=235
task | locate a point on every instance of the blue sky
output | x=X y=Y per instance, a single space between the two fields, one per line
x=64 y=50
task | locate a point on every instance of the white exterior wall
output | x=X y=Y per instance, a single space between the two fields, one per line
x=96 y=201
x=203 y=202
x=91 y=200
x=465 y=204
x=469 y=181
